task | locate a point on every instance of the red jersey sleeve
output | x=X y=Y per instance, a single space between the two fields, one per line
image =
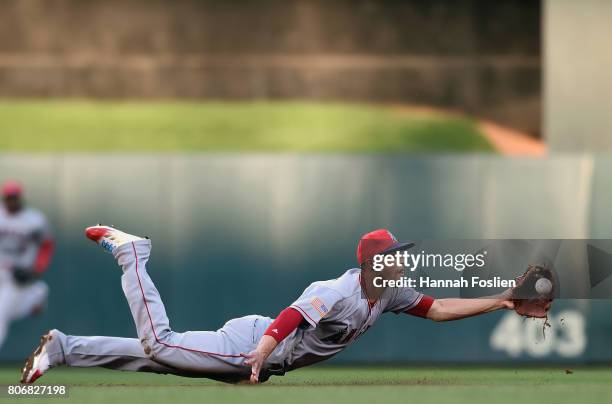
x=421 y=309
x=43 y=258
x=286 y=322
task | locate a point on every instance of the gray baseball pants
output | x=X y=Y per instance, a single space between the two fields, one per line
x=158 y=349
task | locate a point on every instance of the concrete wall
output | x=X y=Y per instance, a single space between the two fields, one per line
x=478 y=56
x=578 y=87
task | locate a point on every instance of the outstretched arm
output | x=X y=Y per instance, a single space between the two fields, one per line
x=455 y=309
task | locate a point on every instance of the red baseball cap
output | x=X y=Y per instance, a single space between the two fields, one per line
x=380 y=241
x=11 y=188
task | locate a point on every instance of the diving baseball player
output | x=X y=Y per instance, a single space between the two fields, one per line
x=325 y=319
x=26 y=247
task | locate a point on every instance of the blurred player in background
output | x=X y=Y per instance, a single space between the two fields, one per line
x=26 y=247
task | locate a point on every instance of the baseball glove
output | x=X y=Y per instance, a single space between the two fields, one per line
x=527 y=301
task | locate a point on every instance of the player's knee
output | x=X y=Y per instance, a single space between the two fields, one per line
x=156 y=346
x=147 y=347
x=152 y=348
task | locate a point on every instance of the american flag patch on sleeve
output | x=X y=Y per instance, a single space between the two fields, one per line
x=319 y=306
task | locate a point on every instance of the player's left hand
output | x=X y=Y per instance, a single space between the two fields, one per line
x=255 y=359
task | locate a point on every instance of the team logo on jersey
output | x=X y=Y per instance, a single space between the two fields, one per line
x=319 y=306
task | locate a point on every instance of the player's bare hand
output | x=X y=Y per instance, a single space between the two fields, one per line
x=255 y=360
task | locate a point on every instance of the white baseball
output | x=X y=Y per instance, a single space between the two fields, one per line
x=543 y=286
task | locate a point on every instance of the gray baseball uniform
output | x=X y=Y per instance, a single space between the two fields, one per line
x=21 y=236
x=335 y=311
x=337 y=314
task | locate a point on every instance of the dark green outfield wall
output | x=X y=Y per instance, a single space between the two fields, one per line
x=239 y=234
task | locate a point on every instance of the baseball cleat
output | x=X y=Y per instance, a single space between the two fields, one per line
x=109 y=238
x=38 y=363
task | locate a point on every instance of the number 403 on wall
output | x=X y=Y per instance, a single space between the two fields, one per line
x=517 y=336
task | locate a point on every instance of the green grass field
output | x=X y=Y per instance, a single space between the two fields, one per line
x=102 y=126
x=340 y=385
